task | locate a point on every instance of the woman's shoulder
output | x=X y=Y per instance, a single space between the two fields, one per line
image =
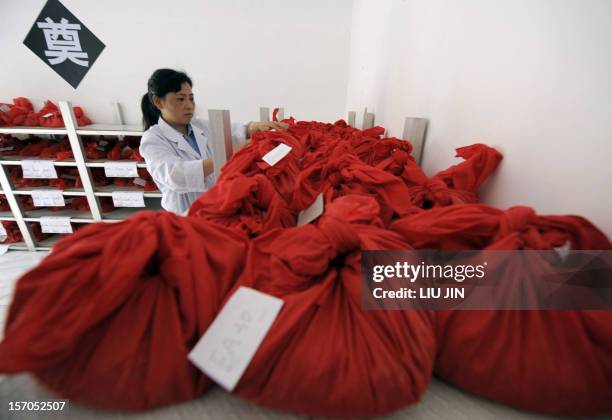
x=151 y=133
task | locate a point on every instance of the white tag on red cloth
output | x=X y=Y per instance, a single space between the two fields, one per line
x=48 y=198
x=120 y=169
x=50 y=114
x=228 y=345
x=312 y=212
x=102 y=142
x=38 y=169
x=3 y=234
x=5 y=108
x=55 y=224
x=276 y=154
x=128 y=199
x=3 y=249
x=7 y=149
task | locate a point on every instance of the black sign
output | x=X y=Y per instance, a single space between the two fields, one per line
x=63 y=42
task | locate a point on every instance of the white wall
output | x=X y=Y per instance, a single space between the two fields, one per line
x=240 y=54
x=532 y=77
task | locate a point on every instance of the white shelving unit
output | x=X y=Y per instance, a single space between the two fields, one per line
x=92 y=193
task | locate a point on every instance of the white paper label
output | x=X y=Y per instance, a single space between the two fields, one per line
x=3 y=249
x=128 y=199
x=55 y=224
x=102 y=142
x=38 y=169
x=48 y=198
x=6 y=149
x=140 y=181
x=311 y=213
x=226 y=349
x=276 y=154
x=50 y=114
x=3 y=234
x=100 y=148
x=120 y=169
x=5 y=108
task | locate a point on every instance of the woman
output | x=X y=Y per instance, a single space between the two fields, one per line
x=176 y=146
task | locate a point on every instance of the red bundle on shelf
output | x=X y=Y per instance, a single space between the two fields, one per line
x=122 y=306
x=4 y=205
x=13 y=234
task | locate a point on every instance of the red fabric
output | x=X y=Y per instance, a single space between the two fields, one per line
x=10 y=146
x=344 y=175
x=13 y=234
x=324 y=355
x=552 y=362
x=108 y=318
x=4 y=205
x=248 y=161
x=35 y=148
x=249 y=205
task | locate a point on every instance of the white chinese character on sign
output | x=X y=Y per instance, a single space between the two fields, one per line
x=68 y=47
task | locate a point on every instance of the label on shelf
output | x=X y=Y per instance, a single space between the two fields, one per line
x=311 y=213
x=120 y=169
x=128 y=198
x=140 y=181
x=276 y=154
x=3 y=249
x=103 y=143
x=228 y=345
x=55 y=224
x=48 y=198
x=3 y=234
x=38 y=169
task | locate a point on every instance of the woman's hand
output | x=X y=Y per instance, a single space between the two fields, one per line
x=265 y=126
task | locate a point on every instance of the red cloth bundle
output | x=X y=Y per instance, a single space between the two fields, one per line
x=553 y=362
x=324 y=355
x=18 y=181
x=16 y=113
x=13 y=234
x=81 y=204
x=4 y=205
x=109 y=318
x=348 y=175
x=54 y=150
x=10 y=146
x=35 y=147
x=250 y=205
x=248 y=161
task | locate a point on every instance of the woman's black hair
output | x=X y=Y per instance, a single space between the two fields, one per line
x=160 y=83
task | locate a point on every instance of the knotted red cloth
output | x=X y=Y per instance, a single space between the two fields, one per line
x=553 y=362
x=250 y=205
x=109 y=317
x=346 y=174
x=324 y=355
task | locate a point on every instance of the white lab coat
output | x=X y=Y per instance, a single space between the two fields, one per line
x=175 y=166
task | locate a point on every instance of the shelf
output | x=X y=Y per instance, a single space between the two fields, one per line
x=16 y=160
x=18 y=246
x=7 y=216
x=47 y=243
x=99 y=163
x=125 y=212
x=32 y=130
x=75 y=216
x=110 y=130
x=66 y=192
x=107 y=190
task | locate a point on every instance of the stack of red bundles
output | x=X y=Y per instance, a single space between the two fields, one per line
x=21 y=113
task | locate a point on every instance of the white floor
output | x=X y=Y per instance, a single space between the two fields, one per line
x=439 y=403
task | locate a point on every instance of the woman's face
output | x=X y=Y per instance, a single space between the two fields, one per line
x=177 y=107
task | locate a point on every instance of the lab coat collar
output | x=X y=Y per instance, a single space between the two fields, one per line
x=176 y=136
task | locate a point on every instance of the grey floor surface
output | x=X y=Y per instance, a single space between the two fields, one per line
x=441 y=401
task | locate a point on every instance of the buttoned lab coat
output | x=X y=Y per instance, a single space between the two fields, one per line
x=175 y=166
